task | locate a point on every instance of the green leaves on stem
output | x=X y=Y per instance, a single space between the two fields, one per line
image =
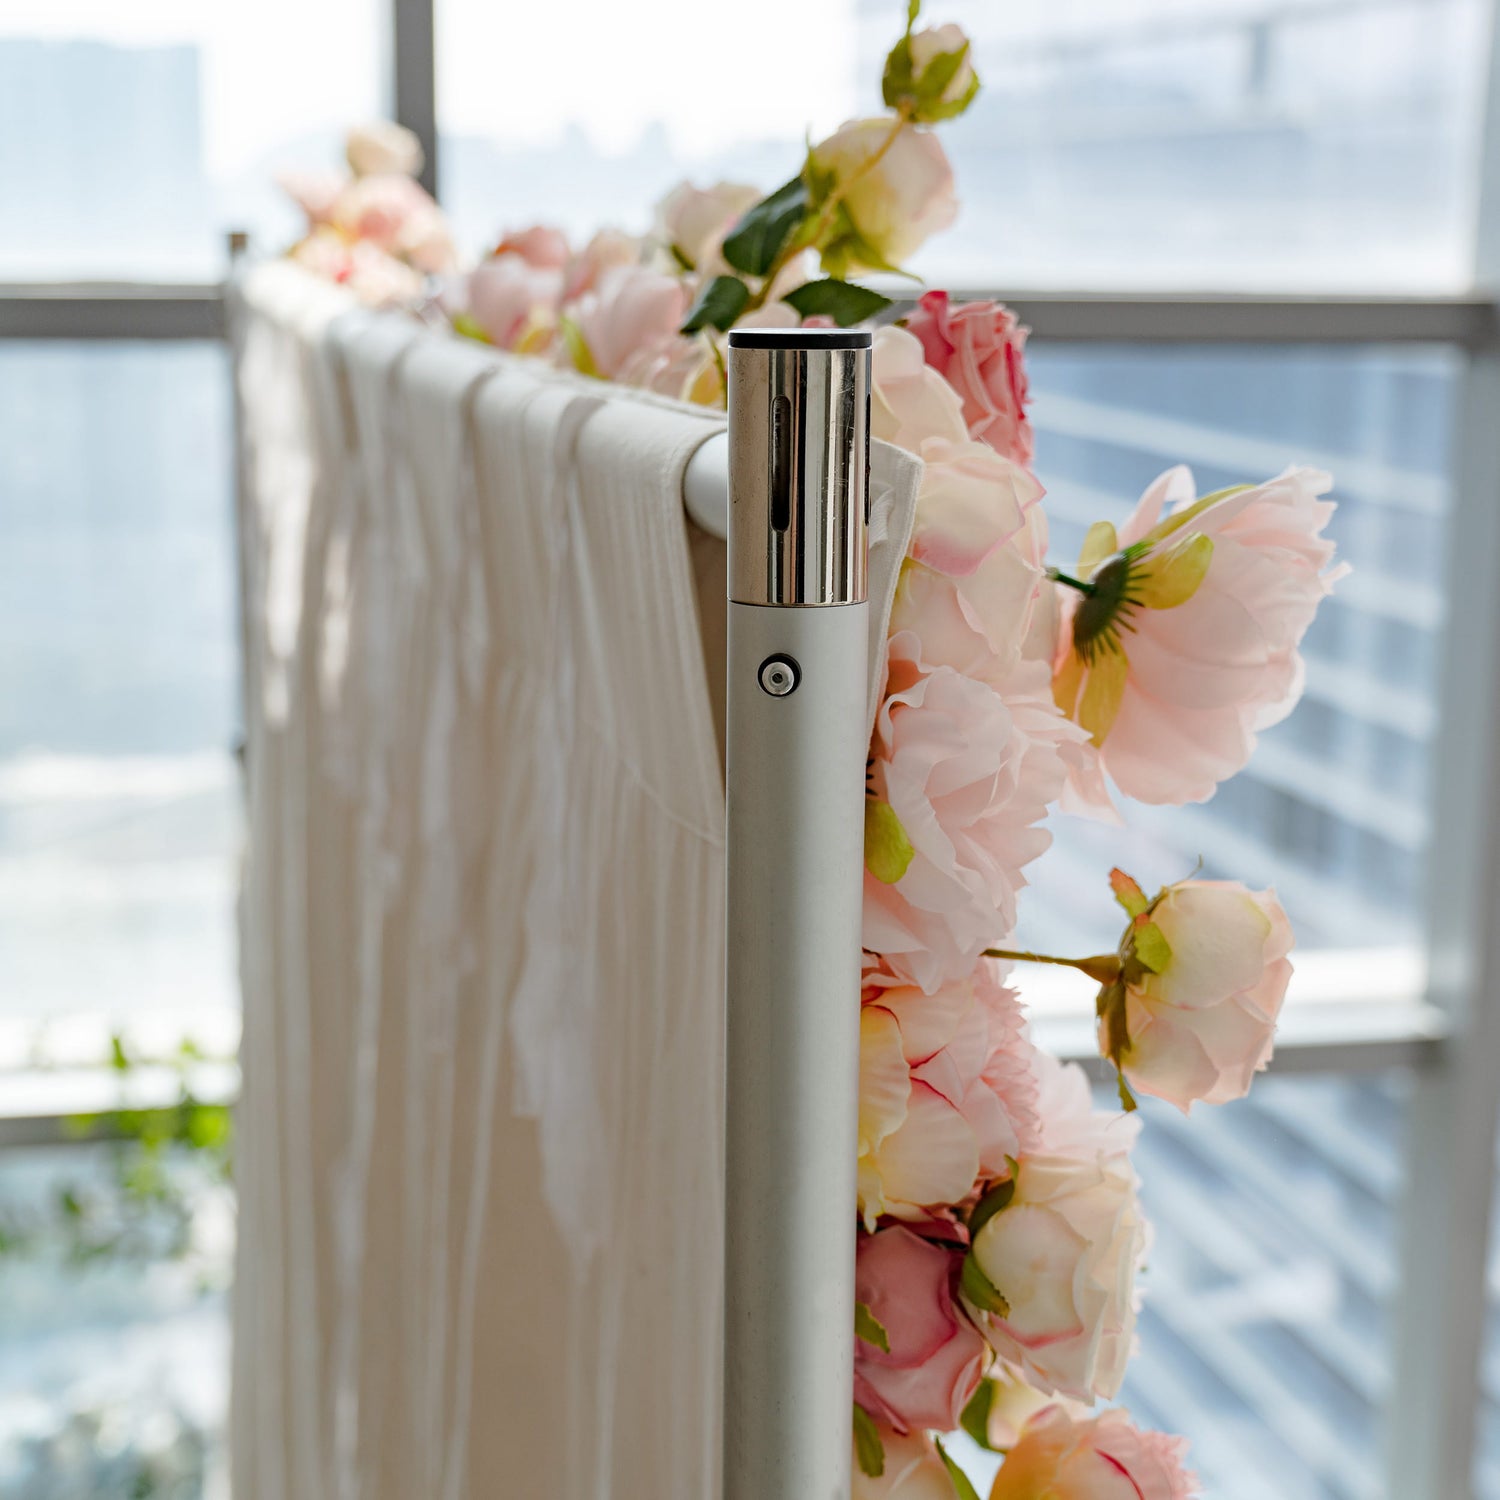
x=869 y=1328
x=760 y=236
x=843 y=301
x=718 y=303
x=869 y=1451
x=962 y=1487
x=930 y=87
x=975 y=1419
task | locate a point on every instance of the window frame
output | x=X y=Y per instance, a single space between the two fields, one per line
x=1449 y=1034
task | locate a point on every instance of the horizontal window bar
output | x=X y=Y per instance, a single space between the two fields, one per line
x=138 y=310
x=110 y=310
x=1470 y=321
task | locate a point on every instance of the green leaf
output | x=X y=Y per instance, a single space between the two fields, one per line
x=868 y=1448
x=755 y=242
x=913 y=10
x=1151 y=946
x=718 y=303
x=577 y=347
x=842 y=301
x=993 y=1201
x=976 y=1415
x=980 y=1290
x=869 y=1328
x=465 y=325
x=888 y=851
x=117 y=1058
x=683 y=259
x=961 y=1486
x=1127 y=1099
x=897 y=83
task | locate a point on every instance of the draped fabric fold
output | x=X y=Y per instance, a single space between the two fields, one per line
x=479 y=1145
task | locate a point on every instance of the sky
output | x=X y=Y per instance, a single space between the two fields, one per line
x=710 y=72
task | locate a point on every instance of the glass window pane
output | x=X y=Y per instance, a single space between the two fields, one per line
x=1176 y=143
x=1332 y=809
x=1265 y=1333
x=119 y=801
x=132 y=136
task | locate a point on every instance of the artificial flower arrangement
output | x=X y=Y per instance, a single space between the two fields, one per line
x=1000 y=1234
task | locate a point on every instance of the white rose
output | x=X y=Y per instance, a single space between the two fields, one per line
x=694 y=221
x=930 y=44
x=381 y=147
x=901 y=201
x=1063 y=1253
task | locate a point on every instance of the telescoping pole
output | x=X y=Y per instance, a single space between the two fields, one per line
x=796 y=746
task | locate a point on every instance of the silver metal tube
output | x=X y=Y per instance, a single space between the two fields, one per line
x=799 y=441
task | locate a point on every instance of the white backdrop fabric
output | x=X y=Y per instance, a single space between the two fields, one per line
x=479 y=1143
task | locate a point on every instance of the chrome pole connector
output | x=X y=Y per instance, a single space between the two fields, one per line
x=799 y=423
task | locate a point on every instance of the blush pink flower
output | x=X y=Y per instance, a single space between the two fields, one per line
x=396 y=214
x=947 y=1093
x=631 y=314
x=514 y=302
x=913 y=1470
x=936 y=1358
x=979 y=349
x=1065 y=1457
x=609 y=250
x=966 y=774
x=1188 y=643
x=1064 y=1251
x=970 y=588
x=909 y=401
x=540 y=245
x=971 y=502
x=679 y=367
x=1204 y=971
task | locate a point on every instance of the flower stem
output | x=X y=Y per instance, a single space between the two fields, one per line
x=1058 y=576
x=1105 y=967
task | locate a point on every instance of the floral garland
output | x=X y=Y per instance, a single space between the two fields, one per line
x=999 y=1229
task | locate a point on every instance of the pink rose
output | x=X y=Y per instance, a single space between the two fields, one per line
x=609 y=249
x=913 y=1471
x=692 y=222
x=397 y=214
x=1064 y=1252
x=541 y=246
x=1205 y=971
x=946 y=1091
x=977 y=347
x=967 y=772
x=977 y=623
x=936 y=1358
x=909 y=401
x=1189 y=643
x=514 y=302
x=901 y=201
x=972 y=501
x=1065 y=1457
x=632 y=311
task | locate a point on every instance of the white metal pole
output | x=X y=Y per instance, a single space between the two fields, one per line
x=796 y=747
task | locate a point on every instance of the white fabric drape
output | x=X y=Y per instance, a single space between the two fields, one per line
x=482 y=920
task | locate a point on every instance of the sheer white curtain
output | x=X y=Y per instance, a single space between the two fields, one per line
x=479 y=1148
